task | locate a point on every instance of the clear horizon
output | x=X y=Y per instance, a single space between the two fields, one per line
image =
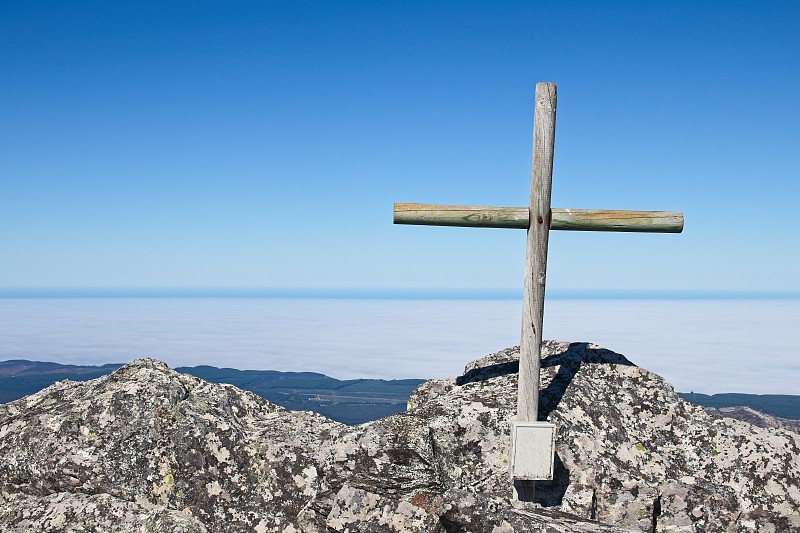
x=424 y=293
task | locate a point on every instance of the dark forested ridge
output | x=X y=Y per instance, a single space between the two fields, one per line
x=19 y=377
x=782 y=405
x=350 y=401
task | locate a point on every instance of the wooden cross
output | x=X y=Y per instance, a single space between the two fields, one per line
x=538 y=218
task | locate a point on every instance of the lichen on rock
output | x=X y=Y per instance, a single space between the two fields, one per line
x=148 y=449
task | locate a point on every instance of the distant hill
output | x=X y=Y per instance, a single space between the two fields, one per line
x=782 y=405
x=19 y=377
x=351 y=401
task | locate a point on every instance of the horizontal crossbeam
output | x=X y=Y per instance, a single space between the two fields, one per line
x=518 y=217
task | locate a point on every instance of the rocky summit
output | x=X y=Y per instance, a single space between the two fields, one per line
x=149 y=449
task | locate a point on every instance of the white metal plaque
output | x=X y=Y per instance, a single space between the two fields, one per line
x=532 y=450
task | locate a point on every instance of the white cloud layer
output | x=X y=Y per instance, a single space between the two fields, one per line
x=698 y=345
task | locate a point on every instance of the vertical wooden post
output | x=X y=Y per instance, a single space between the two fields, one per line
x=544 y=129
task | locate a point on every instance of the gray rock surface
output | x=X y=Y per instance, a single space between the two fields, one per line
x=148 y=449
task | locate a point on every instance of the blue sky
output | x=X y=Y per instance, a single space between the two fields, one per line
x=198 y=144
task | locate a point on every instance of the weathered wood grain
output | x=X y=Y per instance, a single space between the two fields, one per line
x=544 y=136
x=461 y=215
x=616 y=220
x=518 y=218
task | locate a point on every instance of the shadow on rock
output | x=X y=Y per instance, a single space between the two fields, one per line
x=569 y=362
x=550 y=493
x=488 y=372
